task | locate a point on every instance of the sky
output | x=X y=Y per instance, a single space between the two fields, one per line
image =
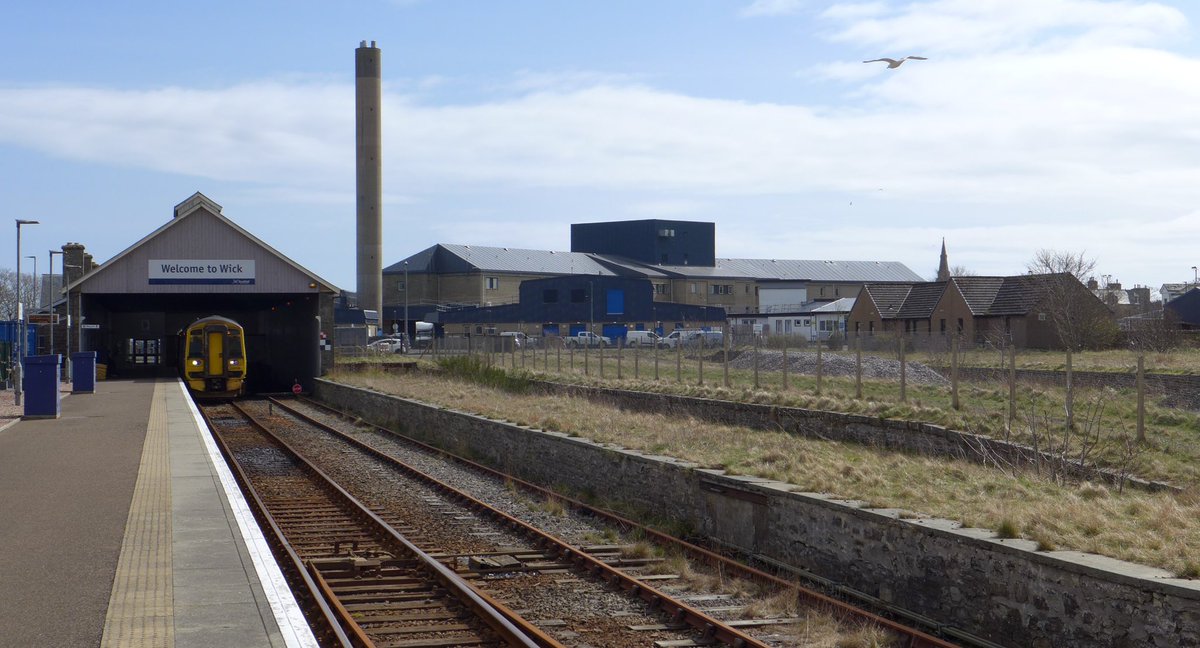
x=1068 y=125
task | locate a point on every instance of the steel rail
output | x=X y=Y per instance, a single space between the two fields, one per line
x=315 y=595
x=677 y=611
x=510 y=626
x=916 y=638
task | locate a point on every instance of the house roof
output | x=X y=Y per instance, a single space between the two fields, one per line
x=195 y=203
x=985 y=296
x=888 y=298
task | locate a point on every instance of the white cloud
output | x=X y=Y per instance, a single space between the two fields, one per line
x=1053 y=122
x=772 y=7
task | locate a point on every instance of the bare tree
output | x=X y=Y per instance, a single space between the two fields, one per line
x=961 y=271
x=1079 y=318
x=8 y=291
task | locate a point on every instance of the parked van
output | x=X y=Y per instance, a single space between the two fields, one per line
x=642 y=338
x=677 y=338
x=707 y=339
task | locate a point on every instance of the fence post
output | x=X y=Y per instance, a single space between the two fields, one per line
x=637 y=373
x=1012 y=384
x=700 y=365
x=558 y=357
x=785 y=368
x=857 y=366
x=1070 y=393
x=586 y=360
x=903 y=372
x=620 y=346
x=571 y=357
x=820 y=368
x=725 y=359
x=954 y=372
x=656 y=354
x=757 y=343
x=1141 y=398
x=513 y=353
x=600 y=352
x=679 y=360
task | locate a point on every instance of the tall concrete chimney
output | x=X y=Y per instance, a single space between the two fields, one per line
x=369 y=183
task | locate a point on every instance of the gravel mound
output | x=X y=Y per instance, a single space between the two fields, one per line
x=805 y=362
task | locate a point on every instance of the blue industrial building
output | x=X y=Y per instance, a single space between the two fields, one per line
x=654 y=241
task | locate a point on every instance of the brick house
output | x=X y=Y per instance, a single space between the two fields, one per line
x=978 y=309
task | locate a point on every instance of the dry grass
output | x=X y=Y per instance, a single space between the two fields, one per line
x=1161 y=530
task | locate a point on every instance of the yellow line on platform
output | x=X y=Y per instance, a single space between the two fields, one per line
x=140 y=610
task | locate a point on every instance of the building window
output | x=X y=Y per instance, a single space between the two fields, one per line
x=549 y=296
x=400 y=285
x=747 y=289
x=960 y=325
x=660 y=289
x=822 y=291
x=692 y=288
x=1041 y=317
x=942 y=326
x=870 y=328
x=491 y=283
x=144 y=352
x=837 y=292
x=722 y=289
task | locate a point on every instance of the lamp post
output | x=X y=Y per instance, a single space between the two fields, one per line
x=19 y=347
x=1195 y=276
x=67 y=352
x=37 y=286
x=50 y=298
x=406 y=302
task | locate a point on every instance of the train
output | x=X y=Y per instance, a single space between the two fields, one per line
x=213 y=357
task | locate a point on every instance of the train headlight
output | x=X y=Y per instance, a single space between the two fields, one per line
x=197 y=362
x=235 y=363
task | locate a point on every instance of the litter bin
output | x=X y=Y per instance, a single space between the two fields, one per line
x=42 y=398
x=83 y=372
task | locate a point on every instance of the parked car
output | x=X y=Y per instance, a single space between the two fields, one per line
x=518 y=338
x=642 y=338
x=588 y=339
x=395 y=344
x=676 y=337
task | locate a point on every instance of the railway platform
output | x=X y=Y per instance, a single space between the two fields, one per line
x=120 y=526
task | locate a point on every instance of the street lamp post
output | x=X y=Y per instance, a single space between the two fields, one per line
x=19 y=347
x=406 y=302
x=37 y=286
x=50 y=298
x=67 y=352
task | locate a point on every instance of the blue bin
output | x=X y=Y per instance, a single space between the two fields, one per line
x=42 y=398
x=83 y=372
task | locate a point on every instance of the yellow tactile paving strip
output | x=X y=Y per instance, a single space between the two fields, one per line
x=140 y=610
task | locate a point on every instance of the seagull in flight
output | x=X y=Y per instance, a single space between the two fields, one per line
x=893 y=63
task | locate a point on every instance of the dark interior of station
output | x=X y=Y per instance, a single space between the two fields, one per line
x=139 y=334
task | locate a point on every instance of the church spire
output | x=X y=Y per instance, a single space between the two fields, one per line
x=944 y=266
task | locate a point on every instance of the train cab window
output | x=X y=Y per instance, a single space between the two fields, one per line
x=196 y=345
x=234 y=348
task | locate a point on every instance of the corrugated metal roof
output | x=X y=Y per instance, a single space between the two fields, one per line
x=501 y=259
x=856 y=271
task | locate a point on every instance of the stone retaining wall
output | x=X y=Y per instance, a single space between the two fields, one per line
x=1001 y=590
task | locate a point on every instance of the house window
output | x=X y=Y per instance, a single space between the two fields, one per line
x=960 y=325
x=1041 y=317
x=491 y=283
x=942 y=326
x=549 y=296
x=871 y=328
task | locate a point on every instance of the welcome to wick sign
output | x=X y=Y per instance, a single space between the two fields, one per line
x=237 y=272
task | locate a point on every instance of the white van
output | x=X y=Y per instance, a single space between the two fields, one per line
x=642 y=338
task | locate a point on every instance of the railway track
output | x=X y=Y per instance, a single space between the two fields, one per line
x=367 y=584
x=583 y=595
x=385 y=442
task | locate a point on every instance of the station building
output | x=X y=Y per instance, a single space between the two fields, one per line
x=131 y=309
